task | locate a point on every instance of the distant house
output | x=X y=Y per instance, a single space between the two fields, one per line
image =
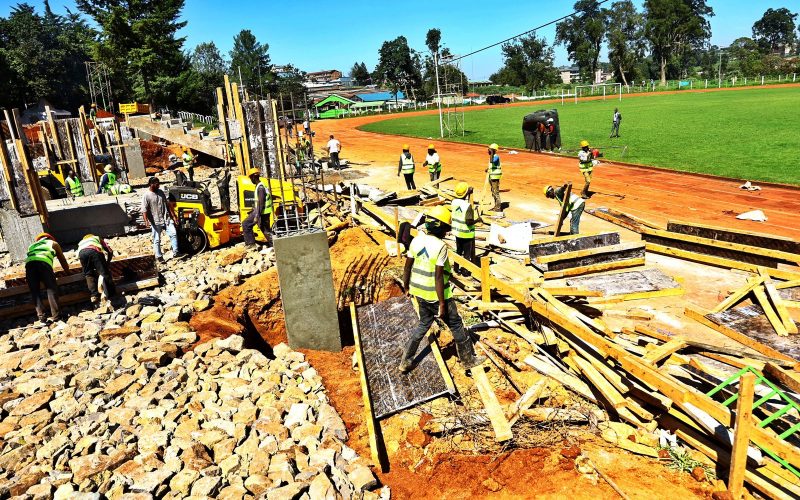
x=572 y=74
x=333 y=106
x=325 y=76
x=379 y=96
x=37 y=113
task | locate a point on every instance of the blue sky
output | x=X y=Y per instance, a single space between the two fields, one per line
x=315 y=34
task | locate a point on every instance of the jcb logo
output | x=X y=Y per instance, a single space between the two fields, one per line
x=189 y=196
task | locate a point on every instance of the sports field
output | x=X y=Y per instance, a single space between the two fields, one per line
x=745 y=134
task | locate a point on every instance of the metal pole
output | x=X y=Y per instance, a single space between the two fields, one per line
x=438 y=91
x=719 y=70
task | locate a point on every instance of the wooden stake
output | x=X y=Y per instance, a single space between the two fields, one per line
x=486 y=288
x=502 y=429
x=772 y=316
x=738 y=295
x=9 y=175
x=741 y=435
x=777 y=302
x=397 y=231
x=563 y=213
x=53 y=131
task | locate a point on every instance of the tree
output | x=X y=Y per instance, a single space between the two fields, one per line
x=198 y=82
x=582 y=34
x=745 y=52
x=624 y=38
x=139 y=43
x=775 y=29
x=360 y=74
x=674 y=26
x=251 y=58
x=398 y=66
x=528 y=62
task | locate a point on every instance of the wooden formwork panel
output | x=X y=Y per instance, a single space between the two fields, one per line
x=564 y=244
x=769 y=241
x=710 y=249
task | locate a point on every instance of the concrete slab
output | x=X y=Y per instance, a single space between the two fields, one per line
x=19 y=232
x=307 y=294
x=103 y=215
x=133 y=153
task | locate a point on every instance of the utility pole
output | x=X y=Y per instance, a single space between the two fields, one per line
x=438 y=91
x=719 y=69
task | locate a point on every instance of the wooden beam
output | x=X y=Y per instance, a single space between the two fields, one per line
x=501 y=426
x=781 y=376
x=568 y=380
x=778 y=304
x=34 y=188
x=52 y=124
x=613 y=299
x=492 y=306
x=486 y=287
x=8 y=173
x=609 y=392
x=557 y=257
x=741 y=435
x=437 y=355
x=376 y=446
x=562 y=214
x=571 y=312
x=594 y=268
x=572 y=291
x=237 y=108
x=737 y=296
x=525 y=401
x=772 y=316
x=664 y=351
x=788 y=284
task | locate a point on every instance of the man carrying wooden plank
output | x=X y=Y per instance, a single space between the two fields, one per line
x=463 y=224
x=39 y=269
x=575 y=205
x=427 y=277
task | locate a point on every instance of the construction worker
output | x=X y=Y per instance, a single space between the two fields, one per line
x=433 y=163
x=39 y=269
x=334 y=147
x=615 y=121
x=108 y=179
x=495 y=173
x=93 y=114
x=159 y=215
x=119 y=188
x=586 y=164
x=427 y=277
x=575 y=205
x=188 y=163
x=463 y=224
x=550 y=134
x=261 y=213
x=539 y=137
x=95 y=266
x=74 y=186
x=406 y=167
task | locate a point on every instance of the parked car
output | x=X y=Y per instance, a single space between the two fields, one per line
x=497 y=99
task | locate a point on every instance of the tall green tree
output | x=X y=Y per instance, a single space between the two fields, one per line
x=251 y=58
x=139 y=42
x=398 y=67
x=198 y=82
x=747 y=56
x=675 y=26
x=582 y=34
x=528 y=62
x=625 y=39
x=360 y=74
x=775 y=29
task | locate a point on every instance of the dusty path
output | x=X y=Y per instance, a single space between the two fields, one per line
x=654 y=194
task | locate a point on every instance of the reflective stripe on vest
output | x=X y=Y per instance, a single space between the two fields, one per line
x=459 y=225
x=90 y=241
x=111 y=180
x=75 y=186
x=267 y=199
x=423 y=273
x=495 y=172
x=187 y=160
x=114 y=189
x=407 y=164
x=574 y=201
x=41 y=251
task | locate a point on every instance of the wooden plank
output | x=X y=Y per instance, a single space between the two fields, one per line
x=574 y=313
x=778 y=304
x=562 y=214
x=741 y=434
x=783 y=377
x=237 y=108
x=52 y=124
x=737 y=296
x=376 y=446
x=698 y=315
x=720 y=261
x=8 y=174
x=554 y=239
x=572 y=291
x=594 y=268
x=492 y=306
x=486 y=288
x=525 y=401
x=752 y=238
x=546 y=259
x=665 y=350
x=609 y=392
x=500 y=425
x=34 y=187
x=788 y=284
x=568 y=380
x=437 y=355
x=772 y=316
x=613 y=299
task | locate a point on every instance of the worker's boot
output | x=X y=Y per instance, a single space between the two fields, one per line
x=466 y=354
x=585 y=191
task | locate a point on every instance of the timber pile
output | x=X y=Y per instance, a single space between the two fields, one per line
x=574 y=255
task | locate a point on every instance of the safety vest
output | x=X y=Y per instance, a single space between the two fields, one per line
x=90 y=241
x=459 y=225
x=426 y=249
x=112 y=179
x=75 y=187
x=187 y=160
x=585 y=162
x=41 y=251
x=407 y=163
x=495 y=172
x=433 y=167
x=574 y=201
x=267 y=199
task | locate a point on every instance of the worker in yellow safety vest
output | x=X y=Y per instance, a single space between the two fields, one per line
x=463 y=224
x=74 y=186
x=406 y=167
x=495 y=173
x=433 y=162
x=575 y=205
x=95 y=266
x=262 y=211
x=108 y=179
x=39 y=269
x=188 y=163
x=586 y=163
x=427 y=278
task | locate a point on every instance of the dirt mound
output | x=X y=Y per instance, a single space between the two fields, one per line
x=156 y=156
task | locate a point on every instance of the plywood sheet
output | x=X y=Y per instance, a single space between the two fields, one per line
x=646 y=280
x=751 y=321
x=385 y=328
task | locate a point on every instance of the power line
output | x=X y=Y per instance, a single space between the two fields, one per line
x=521 y=34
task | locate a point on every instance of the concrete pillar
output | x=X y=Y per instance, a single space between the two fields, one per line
x=19 y=232
x=307 y=294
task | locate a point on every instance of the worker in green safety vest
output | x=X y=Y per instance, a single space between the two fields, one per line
x=406 y=167
x=95 y=266
x=39 y=269
x=188 y=163
x=427 y=278
x=463 y=224
x=261 y=213
x=575 y=205
x=119 y=188
x=495 y=173
x=108 y=179
x=433 y=162
x=74 y=186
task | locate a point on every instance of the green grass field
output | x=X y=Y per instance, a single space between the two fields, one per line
x=745 y=134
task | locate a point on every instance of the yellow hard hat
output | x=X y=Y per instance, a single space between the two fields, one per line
x=584 y=143
x=253 y=171
x=440 y=213
x=108 y=168
x=44 y=235
x=90 y=235
x=546 y=189
x=431 y=146
x=494 y=146
x=461 y=189
x=405 y=147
